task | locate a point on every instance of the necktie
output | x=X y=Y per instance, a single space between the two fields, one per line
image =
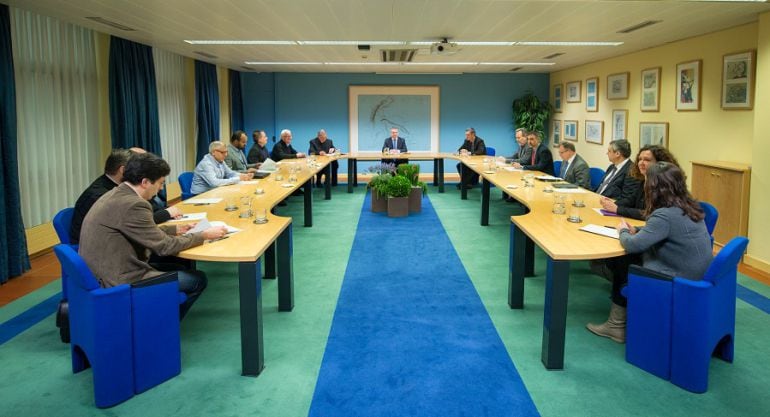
x=564 y=166
x=610 y=173
x=395 y=144
x=533 y=156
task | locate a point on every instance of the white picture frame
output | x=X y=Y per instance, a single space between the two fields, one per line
x=688 y=85
x=738 y=72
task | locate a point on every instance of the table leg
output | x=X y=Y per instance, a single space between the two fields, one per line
x=463 y=190
x=328 y=182
x=484 y=202
x=355 y=173
x=351 y=164
x=435 y=172
x=285 y=270
x=250 y=294
x=270 y=262
x=529 y=259
x=308 y=197
x=555 y=314
x=441 y=175
x=516 y=267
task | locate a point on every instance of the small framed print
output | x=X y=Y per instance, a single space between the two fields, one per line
x=573 y=92
x=557 y=97
x=556 y=133
x=617 y=86
x=651 y=89
x=738 y=72
x=592 y=94
x=595 y=131
x=653 y=133
x=619 y=124
x=570 y=130
x=688 y=85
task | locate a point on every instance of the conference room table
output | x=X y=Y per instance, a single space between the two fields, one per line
x=561 y=240
x=436 y=157
x=271 y=241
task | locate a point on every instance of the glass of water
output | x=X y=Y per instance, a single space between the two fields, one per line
x=260 y=215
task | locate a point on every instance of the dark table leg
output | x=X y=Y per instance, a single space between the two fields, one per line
x=270 y=261
x=435 y=172
x=484 y=202
x=463 y=190
x=285 y=270
x=351 y=164
x=441 y=175
x=308 y=197
x=250 y=294
x=355 y=173
x=529 y=259
x=328 y=182
x=516 y=267
x=555 y=314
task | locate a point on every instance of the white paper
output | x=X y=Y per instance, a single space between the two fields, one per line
x=512 y=169
x=570 y=190
x=189 y=217
x=267 y=166
x=601 y=230
x=230 y=229
x=547 y=178
x=202 y=201
x=205 y=224
x=249 y=182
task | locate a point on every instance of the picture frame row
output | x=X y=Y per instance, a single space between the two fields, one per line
x=650 y=133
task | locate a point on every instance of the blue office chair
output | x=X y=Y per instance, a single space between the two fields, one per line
x=556 y=168
x=490 y=151
x=712 y=215
x=675 y=325
x=185 y=183
x=61 y=224
x=596 y=177
x=128 y=334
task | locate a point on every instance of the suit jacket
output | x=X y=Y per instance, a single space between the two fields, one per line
x=283 y=151
x=236 y=159
x=543 y=161
x=401 y=144
x=618 y=187
x=119 y=233
x=258 y=154
x=523 y=155
x=631 y=204
x=476 y=148
x=578 y=173
x=316 y=146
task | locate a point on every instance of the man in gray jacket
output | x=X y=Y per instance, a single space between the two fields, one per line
x=574 y=169
x=236 y=159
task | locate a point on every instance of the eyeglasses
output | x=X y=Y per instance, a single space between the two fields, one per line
x=225 y=152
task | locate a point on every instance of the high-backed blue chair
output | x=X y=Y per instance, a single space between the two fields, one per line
x=712 y=215
x=556 y=168
x=675 y=324
x=185 y=183
x=596 y=177
x=490 y=151
x=128 y=334
x=61 y=224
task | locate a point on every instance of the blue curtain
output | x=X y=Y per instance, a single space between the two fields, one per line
x=133 y=96
x=14 y=259
x=236 y=102
x=206 y=106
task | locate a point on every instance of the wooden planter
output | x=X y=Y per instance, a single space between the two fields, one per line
x=379 y=202
x=398 y=206
x=415 y=200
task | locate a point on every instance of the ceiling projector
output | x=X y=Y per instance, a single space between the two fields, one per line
x=444 y=48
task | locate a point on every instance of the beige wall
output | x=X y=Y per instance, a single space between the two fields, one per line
x=223 y=80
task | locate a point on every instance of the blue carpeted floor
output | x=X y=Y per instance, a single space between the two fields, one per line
x=410 y=335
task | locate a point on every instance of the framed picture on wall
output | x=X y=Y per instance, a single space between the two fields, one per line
x=595 y=131
x=570 y=130
x=573 y=92
x=619 y=124
x=592 y=94
x=617 y=86
x=557 y=97
x=653 y=133
x=651 y=89
x=738 y=71
x=556 y=133
x=688 y=86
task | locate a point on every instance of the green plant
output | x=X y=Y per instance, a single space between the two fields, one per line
x=412 y=173
x=530 y=113
x=398 y=186
x=379 y=183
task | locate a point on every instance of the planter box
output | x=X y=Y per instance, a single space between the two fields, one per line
x=415 y=200
x=398 y=206
x=379 y=202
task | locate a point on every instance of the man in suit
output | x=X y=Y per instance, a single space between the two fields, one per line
x=475 y=146
x=235 y=158
x=541 y=158
x=122 y=234
x=614 y=184
x=211 y=172
x=258 y=153
x=322 y=145
x=574 y=169
x=395 y=143
x=525 y=152
x=283 y=149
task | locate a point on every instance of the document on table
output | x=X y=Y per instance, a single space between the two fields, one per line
x=571 y=190
x=601 y=230
x=512 y=169
x=547 y=178
x=189 y=217
x=249 y=182
x=205 y=224
x=202 y=201
x=605 y=212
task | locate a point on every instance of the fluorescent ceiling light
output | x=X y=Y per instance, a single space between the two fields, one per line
x=441 y=63
x=469 y=43
x=361 y=63
x=517 y=63
x=560 y=43
x=404 y=63
x=282 y=63
x=337 y=43
x=238 y=42
x=402 y=43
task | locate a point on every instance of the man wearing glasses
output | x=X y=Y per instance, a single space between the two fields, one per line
x=212 y=172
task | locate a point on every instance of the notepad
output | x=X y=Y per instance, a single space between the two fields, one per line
x=601 y=230
x=202 y=201
x=547 y=178
x=605 y=212
x=205 y=224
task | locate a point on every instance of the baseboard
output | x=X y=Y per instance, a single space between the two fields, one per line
x=426 y=178
x=756 y=263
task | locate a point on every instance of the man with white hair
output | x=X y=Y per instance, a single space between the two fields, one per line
x=212 y=171
x=283 y=149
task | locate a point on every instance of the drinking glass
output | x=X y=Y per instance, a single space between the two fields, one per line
x=574 y=214
x=231 y=203
x=260 y=215
x=245 y=207
x=578 y=202
x=558 y=204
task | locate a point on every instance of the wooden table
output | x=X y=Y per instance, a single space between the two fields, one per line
x=438 y=164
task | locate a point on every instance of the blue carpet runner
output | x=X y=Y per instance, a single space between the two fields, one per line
x=410 y=336
x=29 y=318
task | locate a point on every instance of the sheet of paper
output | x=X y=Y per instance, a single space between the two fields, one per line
x=249 y=182
x=201 y=226
x=230 y=229
x=547 y=178
x=512 y=169
x=202 y=201
x=605 y=213
x=571 y=190
x=601 y=230
x=189 y=217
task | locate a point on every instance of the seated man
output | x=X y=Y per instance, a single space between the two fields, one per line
x=475 y=146
x=121 y=232
x=616 y=183
x=541 y=158
x=283 y=149
x=574 y=169
x=212 y=172
x=113 y=175
x=236 y=159
x=322 y=145
x=525 y=152
x=395 y=142
x=258 y=153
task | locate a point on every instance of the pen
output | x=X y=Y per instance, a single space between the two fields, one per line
x=201 y=204
x=218 y=239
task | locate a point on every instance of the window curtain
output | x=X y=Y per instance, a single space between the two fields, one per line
x=236 y=102
x=175 y=123
x=133 y=96
x=57 y=113
x=13 y=246
x=206 y=106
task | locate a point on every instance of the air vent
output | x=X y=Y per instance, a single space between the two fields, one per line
x=104 y=21
x=639 y=26
x=516 y=69
x=397 y=55
x=207 y=55
x=552 y=56
x=247 y=68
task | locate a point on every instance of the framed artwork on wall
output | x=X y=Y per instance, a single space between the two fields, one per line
x=651 y=89
x=595 y=131
x=619 y=124
x=556 y=133
x=653 y=133
x=617 y=86
x=570 y=130
x=738 y=71
x=592 y=94
x=688 y=85
x=557 y=97
x=573 y=92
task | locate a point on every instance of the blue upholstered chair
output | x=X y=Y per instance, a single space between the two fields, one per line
x=675 y=325
x=185 y=183
x=128 y=334
x=596 y=177
x=712 y=215
x=556 y=168
x=490 y=151
x=61 y=224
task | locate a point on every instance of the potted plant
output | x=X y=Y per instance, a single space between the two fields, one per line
x=412 y=173
x=398 y=189
x=382 y=175
x=531 y=114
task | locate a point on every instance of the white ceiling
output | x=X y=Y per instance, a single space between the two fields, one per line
x=167 y=23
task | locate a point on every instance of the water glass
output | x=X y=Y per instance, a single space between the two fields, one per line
x=578 y=202
x=231 y=203
x=245 y=207
x=385 y=151
x=559 y=207
x=260 y=215
x=574 y=214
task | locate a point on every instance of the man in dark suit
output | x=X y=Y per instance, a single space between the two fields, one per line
x=574 y=169
x=525 y=152
x=541 y=158
x=614 y=184
x=475 y=146
x=283 y=149
x=395 y=143
x=258 y=153
x=322 y=145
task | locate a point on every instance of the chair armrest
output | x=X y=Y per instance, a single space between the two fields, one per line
x=160 y=279
x=648 y=273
